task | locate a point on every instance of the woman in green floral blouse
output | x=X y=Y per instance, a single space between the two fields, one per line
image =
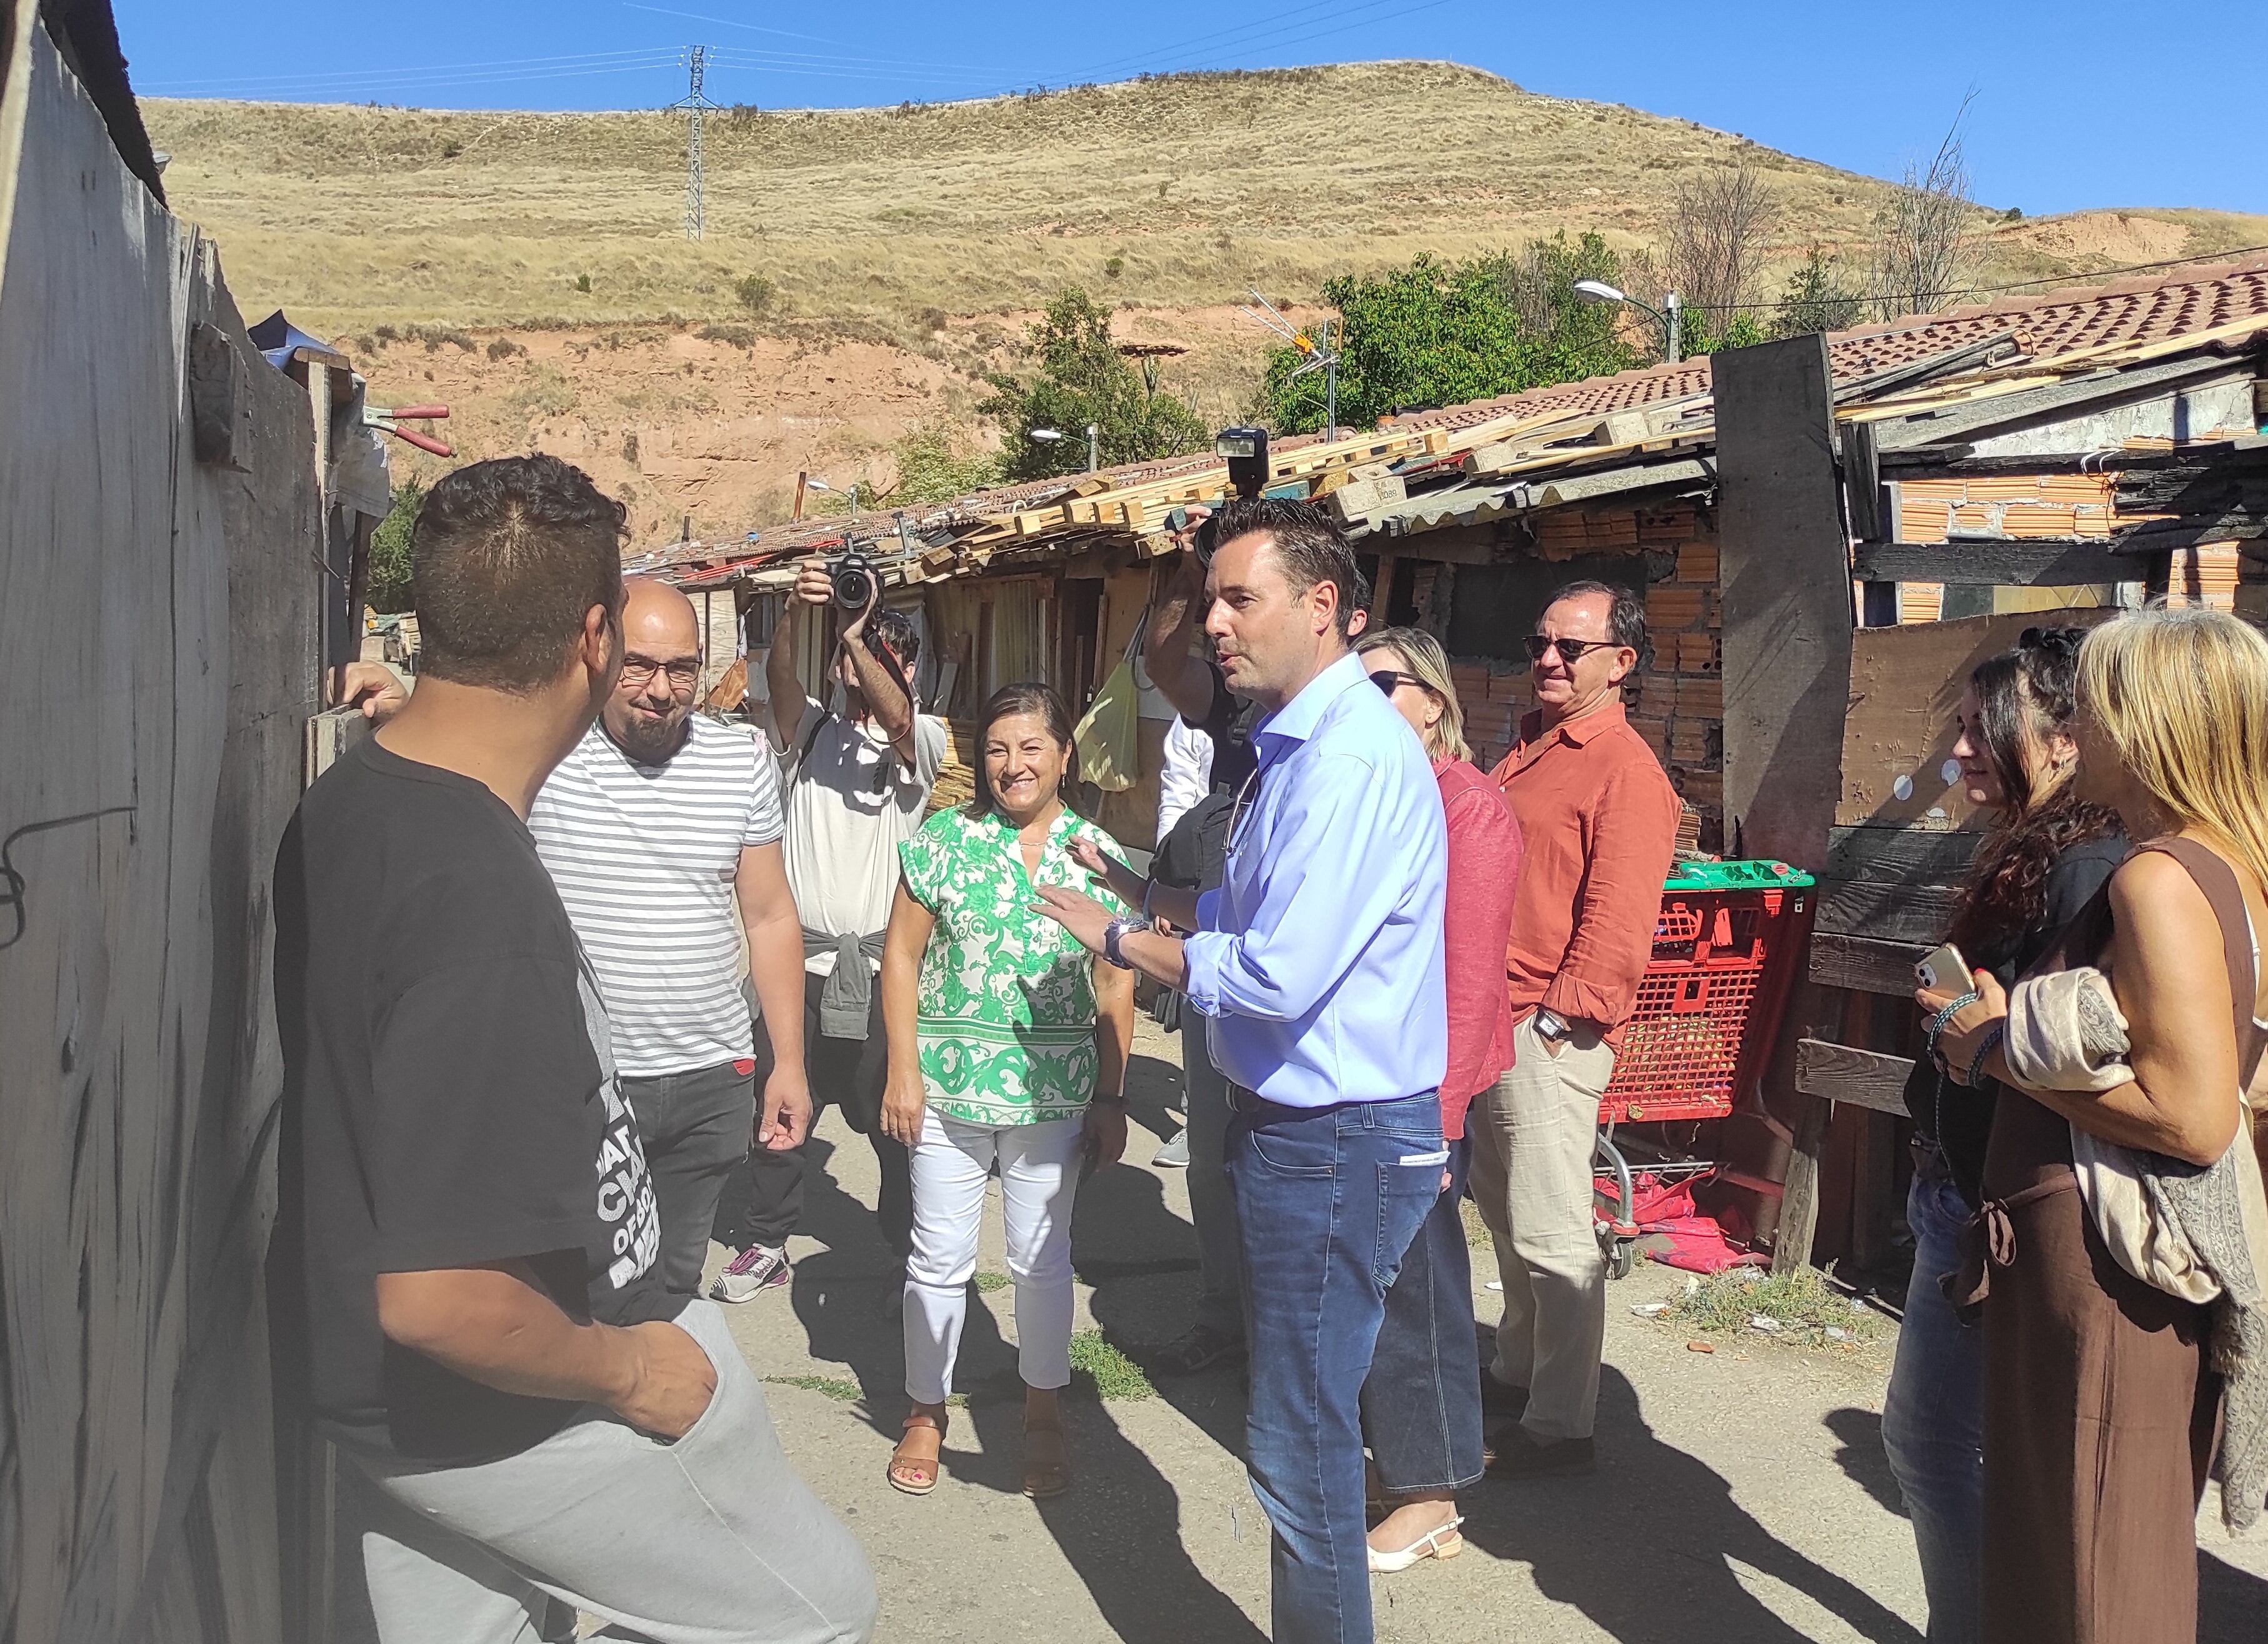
x=1007 y=1045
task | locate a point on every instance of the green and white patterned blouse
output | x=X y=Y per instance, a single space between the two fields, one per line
x=1006 y=1003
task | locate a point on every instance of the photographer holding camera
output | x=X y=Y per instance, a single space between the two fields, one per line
x=857 y=775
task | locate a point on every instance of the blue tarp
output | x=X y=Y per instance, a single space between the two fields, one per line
x=275 y=337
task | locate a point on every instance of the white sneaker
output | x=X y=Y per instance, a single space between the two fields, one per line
x=1174 y=1155
x=748 y=1274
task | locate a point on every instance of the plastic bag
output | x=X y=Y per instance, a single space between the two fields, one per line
x=1109 y=739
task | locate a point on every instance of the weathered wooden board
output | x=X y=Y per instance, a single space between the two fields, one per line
x=158 y=633
x=1786 y=593
x=1841 y=1073
x=1904 y=709
x=1996 y=564
x=1863 y=965
x=1893 y=885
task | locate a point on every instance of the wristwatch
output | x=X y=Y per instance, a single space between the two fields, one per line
x=1113 y=933
x=1551 y=1025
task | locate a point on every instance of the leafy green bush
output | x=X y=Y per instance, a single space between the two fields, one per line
x=1434 y=334
x=1083 y=378
x=755 y=293
x=389 y=586
x=1815 y=299
x=583 y=282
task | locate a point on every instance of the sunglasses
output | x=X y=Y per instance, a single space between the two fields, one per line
x=1386 y=680
x=1570 y=651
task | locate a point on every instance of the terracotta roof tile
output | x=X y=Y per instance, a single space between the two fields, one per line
x=2151 y=308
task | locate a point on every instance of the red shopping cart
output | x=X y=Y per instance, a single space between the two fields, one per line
x=1708 y=1007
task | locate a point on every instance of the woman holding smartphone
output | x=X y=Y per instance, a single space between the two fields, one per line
x=1007 y=1045
x=2047 y=854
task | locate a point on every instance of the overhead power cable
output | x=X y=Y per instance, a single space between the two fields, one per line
x=580 y=62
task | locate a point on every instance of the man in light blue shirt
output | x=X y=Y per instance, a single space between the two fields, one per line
x=1319 y=962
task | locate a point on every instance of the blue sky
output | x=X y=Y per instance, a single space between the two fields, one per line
x=2071 y=110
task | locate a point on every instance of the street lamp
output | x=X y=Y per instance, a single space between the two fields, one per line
x=821 y=485
x=1673 y=322
x=1049 y=436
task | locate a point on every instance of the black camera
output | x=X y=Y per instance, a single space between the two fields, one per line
x=1245 y=451
x=856 y=584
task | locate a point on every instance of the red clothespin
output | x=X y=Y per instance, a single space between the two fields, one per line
x=387 y=421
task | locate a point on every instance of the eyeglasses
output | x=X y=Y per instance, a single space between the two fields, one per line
x=1386 y=680
x=683 y=676
x=1570 y=651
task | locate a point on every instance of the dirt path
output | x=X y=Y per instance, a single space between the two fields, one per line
x=1741 y=1496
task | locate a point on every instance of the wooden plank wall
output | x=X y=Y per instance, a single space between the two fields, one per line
x=1904 y=837
x=158 y=630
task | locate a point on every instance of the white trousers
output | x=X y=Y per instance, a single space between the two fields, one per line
x=1039 y=1177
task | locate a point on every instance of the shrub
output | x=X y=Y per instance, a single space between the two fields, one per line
x=452 y=149
x=1083 y=378
x=1434 y=334
x=1115 y=266
x=755 y=293
x=389 y=588
x=504 y=348
x=583 y=282
x=739 y=336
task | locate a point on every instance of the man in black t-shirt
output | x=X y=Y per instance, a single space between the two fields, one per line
x=467 y=1242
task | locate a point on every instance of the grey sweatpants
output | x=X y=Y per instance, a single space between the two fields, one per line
x=712 y=1540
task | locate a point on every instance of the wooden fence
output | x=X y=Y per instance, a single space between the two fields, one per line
x=160 y=577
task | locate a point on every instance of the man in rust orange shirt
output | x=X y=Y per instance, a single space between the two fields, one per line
x=1600 y=821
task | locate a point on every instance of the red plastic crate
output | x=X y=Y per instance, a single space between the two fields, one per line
x=1709 y=1002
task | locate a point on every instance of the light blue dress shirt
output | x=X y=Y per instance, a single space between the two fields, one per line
x=1319 y=959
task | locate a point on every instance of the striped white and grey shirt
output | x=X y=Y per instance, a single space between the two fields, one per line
x=644 y=856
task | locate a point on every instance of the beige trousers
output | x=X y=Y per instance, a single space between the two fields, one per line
x=1533 y=1138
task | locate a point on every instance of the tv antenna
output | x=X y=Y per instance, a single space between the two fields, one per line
x=1321 y=357
x=694 y=103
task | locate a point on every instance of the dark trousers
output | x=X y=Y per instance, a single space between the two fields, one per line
x=1421 y=1405
x=1328 y=1200
x=765 y=1202
x=695 y=1127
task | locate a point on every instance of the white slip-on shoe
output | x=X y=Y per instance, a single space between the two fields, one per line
x=1444 y=1543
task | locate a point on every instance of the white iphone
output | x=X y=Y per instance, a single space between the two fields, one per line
x=1943 y=970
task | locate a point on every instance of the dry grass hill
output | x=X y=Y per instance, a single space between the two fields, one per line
x=543 y=256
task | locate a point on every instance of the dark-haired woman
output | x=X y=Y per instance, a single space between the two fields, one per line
x=1007 y=1045
x=2047 y=854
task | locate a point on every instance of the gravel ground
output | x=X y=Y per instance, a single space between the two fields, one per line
x=1741 y=1495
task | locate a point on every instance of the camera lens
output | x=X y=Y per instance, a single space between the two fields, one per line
x=854 y=586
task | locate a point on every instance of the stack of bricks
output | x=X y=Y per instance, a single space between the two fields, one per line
x=2206 y=574
x=1492 y=714
x=1679 y=703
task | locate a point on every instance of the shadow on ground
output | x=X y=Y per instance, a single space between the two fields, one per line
x=1645 y=1548
x=1120 y=1527
x=1860 y=1457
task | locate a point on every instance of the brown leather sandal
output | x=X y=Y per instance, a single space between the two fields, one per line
x=916 y=1475
x=1047 y=1470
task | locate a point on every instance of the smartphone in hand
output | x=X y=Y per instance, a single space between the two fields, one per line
x=1943 y=970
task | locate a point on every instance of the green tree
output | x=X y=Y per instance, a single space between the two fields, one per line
x=1434 y=334
x=931 y=471
x=1815 y=299
x=1083 y=378
x=389 y=590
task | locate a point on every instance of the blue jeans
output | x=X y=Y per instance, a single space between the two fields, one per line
x=1421 y=1405
x=1327 y=1199
x=1933 y=1415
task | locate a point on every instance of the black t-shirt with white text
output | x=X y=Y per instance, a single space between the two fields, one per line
x=449 y=1101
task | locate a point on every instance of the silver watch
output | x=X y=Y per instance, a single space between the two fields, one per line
x=1115 y=932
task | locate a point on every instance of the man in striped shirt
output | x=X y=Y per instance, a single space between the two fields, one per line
x=662 y=832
